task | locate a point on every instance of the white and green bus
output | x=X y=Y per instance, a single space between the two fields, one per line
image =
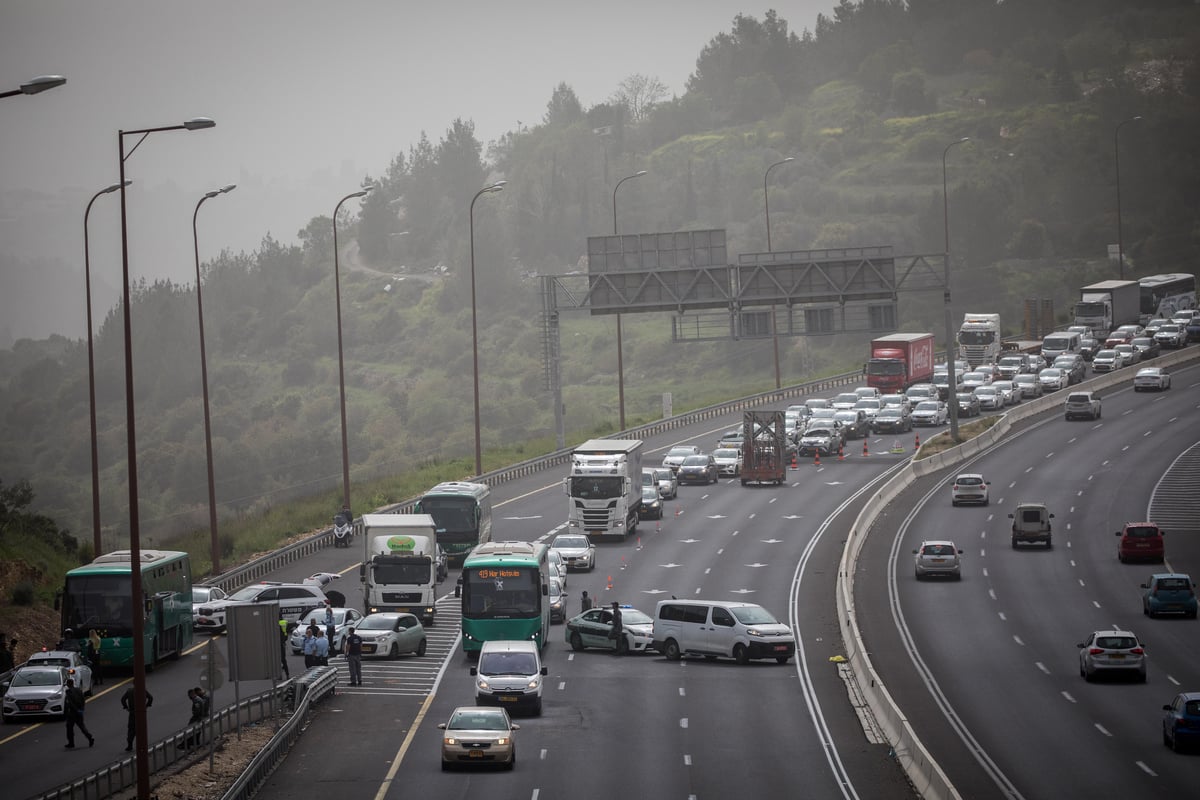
x=505 y=594
x=462 y=514
x=1163 y=295
x=98 y=596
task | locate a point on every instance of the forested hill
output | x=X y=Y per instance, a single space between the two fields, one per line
x=866 y=105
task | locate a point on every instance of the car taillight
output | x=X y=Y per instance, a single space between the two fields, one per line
x=1095 y=651
x=1137 y=651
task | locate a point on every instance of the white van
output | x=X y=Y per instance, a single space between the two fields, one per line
x=509 y=673
x=1060 y=342
x=742 y=631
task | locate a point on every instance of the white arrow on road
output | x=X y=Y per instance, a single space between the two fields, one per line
x=771 y=541
x=670 y=566
x=833 y=483
x=756 y=566
x=793 y=516
x=743 y=591
x=654 y=591
x=689 y=541
x=536 y=516
x=716 y=516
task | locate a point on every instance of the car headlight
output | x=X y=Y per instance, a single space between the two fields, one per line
x=502 y=741
x=450 y=740
x=533 y=684
x=753 y=632
x=482 y=683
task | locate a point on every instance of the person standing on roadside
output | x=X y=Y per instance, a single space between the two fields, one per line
x=353 y=647
x=330 y=627
x=321 y=649
x=6 y=657
x=93 y=656
x=283 y=646
x=127 y=704
x=585 y=603
x=309 y=646
x=618 y=629
x=73 y=713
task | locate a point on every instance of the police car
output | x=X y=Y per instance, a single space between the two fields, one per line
x=295 y=601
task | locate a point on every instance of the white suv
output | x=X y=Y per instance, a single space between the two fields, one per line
x=969 y=487
x=295 y=601
x=938 y=558
x=1082 y=404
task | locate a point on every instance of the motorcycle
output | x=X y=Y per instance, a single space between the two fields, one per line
x=343 y=531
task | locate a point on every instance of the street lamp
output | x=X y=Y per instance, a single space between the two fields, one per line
x=950 y=354
x=38 y=84
x=1117 y=158
x=97 y=544
x=620 y=359
x=337 y=289
x=135 y=545
x=767 y=210
x=495 y=187
x=212 y=492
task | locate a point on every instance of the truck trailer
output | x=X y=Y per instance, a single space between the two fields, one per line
x=764 y=448
x=1107 y=305
x=399 y=569
x=604 y=488
x=899 y=360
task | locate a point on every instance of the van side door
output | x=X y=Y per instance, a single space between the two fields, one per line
x=722 y=632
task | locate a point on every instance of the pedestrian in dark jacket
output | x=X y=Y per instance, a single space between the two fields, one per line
x=618 y=628
x=73 y=712
x=127 y=704
x=585 y=603
x=353 y=647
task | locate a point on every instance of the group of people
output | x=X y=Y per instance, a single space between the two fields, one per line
x=88 y=647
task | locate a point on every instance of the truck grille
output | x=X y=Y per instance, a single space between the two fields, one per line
x=402 y=597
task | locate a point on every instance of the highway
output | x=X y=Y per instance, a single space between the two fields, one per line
x=987 y=668
x=1007 y=704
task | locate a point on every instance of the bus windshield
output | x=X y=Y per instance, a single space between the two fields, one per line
x=501 y=592
x=98 y=601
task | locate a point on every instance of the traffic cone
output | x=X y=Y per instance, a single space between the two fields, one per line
x=623 y=565
x=840 y=456
x=609 y=587
x=816 y=458
x=866 y=452
x=794 y=464
x=639 y=547
x=916 y=441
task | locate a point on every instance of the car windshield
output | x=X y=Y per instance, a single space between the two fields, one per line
x=57 y=661
x=888 y=413
x=631 y=616
x=817 y=433
x=986 y=390
x=680 y=451
x=695 y=461
x=37 y=677
x=846 y=397
x=753 y=615
x=725 y=453
x=649 y=493
x=502 y=663
x=927 y=405
x=1142 y=531
x=868 y=403
x=1150 y=372
x=968 y=480
x=1173 y=584
x=1116 y=642
x=318 y=615
x=200 y=594
x=477 y=720
x=938 y=550
x=249 y=593
x=570 y=543
x=376 y=622
x=1051 y=372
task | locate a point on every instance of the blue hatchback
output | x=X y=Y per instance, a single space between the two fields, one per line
x=1169 y=593
x=1181 y=721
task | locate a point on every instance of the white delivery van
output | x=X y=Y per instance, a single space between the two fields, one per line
x=509 y=673
x=742 y=631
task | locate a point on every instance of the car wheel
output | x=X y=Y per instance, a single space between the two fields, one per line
x=512 y=761
x=445 y=766
x=1014 y=544
x=422 y=647
x=1082 y=671
x=622 y=646
x=1166 y=739
x=741 y=654
x=782 y=659
x=576 y=642
x=537 y=707
x=671 y=650
x=394 y=651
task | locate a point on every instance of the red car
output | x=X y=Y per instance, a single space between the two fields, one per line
x=1141 y=541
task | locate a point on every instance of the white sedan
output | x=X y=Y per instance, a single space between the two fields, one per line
x=389 y=634
x=343 y=618
x=1053 y=379
x=1148 y=378
x=73 y=660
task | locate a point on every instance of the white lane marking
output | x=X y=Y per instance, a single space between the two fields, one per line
x=1146 y=769
x=683 y=723
x=1041 y=666
x=1017 y=639
x=1103 y=730
x=1068 y=697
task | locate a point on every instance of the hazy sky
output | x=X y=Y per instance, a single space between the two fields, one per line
x=308 y=97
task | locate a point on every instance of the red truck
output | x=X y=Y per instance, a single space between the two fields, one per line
x=899 y=360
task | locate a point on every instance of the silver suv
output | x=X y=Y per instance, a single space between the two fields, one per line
x=1082 y=404
x=938 y=558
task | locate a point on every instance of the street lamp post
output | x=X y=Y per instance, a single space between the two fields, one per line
x=950 y=354
x=620 y=349
x=135 y=545
x=97 y=543
x=337 y=289
x=1117 y=159
x=37 y=85
x=495 y=187
x=212 y=491
x=767 y=215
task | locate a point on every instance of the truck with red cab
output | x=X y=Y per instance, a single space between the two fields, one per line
x=899 y=360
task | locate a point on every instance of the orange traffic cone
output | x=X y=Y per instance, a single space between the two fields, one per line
x=916 y=441
x=866 y=452
x=840 y=456
x=794 y=464
x=816 y=458
x=609 y=583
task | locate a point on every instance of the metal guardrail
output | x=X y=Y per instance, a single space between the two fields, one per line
x=262 y=566
x=312 y=687
x=122 y=775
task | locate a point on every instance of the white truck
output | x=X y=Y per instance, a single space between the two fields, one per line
x=400 y=567
x=604 y=489
x=1107 y=305
x=979 y=340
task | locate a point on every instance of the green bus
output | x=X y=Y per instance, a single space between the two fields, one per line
x=505 y=594
x=99 y=596
x=462 y=513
